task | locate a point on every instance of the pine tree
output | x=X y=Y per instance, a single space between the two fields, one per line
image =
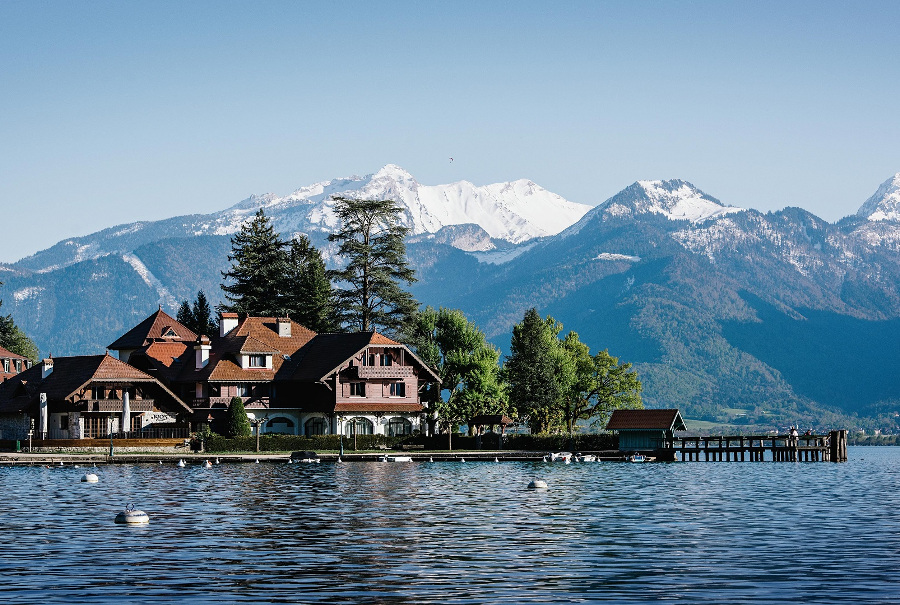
x=258 y=265
x=371 y=242
x=237 y=424
x=538 y=371
x=308 y=295
x=185 y=315
x=201 y=314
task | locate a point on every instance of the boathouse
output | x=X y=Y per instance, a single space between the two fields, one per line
x=645 y=429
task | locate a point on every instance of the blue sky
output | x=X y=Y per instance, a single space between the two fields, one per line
x=112 y=112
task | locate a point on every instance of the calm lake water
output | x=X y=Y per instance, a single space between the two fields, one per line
x=700 y=532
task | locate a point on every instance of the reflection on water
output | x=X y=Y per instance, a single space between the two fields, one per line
x=699 y=532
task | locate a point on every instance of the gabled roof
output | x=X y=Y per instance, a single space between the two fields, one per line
x=154 y=328
x=70 y=375
x=7 y=354
x=665 y=420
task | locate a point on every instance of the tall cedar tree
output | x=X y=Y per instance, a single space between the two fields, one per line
x=308 y=295
x=14 y=340
x=371 y=241
x=537 y=371
x=198 y=318
x=258 y=265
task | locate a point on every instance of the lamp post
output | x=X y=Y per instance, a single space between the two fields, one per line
x=258 y=423
x=341 y=434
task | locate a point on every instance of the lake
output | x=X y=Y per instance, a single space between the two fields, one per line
x=451 y=532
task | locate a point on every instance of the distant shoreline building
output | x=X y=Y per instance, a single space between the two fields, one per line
x=11 y=364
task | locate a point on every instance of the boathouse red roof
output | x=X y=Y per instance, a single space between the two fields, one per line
x=665 y=420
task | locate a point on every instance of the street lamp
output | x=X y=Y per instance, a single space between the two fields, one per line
x=258 y=423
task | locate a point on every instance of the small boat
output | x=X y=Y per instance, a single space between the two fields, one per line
x=585 y=458
x=386 y=458
x=561 y=457
x=637 y=458
x=308 y=457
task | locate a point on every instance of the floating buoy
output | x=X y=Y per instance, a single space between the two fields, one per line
x=76 y=466
x=60 y=463
x=538 y=484
x=130 y=516
x=180 y=463
x=90 y=478
x=545 y=458
x=207 y=464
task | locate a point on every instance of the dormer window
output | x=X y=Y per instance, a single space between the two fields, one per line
x=18 y=365
x=6 y=366
x=168 y=332
x=256 y=361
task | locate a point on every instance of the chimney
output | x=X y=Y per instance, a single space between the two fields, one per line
x=46 y=367
x=284 y=327
x=227 y=323
x=201 y=352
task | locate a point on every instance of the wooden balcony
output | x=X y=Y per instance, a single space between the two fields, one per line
x=385 y=371
x=115 y=405
x=224 y=402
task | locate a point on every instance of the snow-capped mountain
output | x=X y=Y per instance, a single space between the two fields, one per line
x=884 y=205
x=514 y=212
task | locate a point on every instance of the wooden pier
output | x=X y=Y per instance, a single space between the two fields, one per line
x=759 y=448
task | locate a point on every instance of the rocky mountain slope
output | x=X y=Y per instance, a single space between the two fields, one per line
x=730 y=314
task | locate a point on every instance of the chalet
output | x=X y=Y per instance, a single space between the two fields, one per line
x=11 y=364
x=302 y=382
x=86 y=397
x=645 y=429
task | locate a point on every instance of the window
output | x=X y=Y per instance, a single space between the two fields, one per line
x=6 y=366
x=257 y=361
x=316 y=426
x=399 y=426
x=280 y=424
x=18 y=365
x=98 y=393
x=398 y=389
x=357 y=389
x=242 y=390
x=386 y=360
x=64 y=422
x=368 y=359
x=359 y=426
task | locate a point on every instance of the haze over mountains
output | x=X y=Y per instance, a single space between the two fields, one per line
x=730 y=314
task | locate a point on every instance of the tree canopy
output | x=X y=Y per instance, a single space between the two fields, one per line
x=197 y=318
x=556 y=382
x=372 y=245
x=467 y=364
x=258 y=264
x=308 y=295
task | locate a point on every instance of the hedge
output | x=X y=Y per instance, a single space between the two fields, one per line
x=295 y=443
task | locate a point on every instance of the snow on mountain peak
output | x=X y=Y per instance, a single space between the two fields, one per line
x=884 y=205
x=679 y=200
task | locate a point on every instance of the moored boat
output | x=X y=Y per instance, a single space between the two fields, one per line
x=561 y=457
x=395 y=458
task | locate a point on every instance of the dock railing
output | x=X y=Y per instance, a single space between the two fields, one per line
x=758 y=448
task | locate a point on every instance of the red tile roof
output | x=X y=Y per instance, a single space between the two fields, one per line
x=646 y=419
x=7 y=354
x=152 y=329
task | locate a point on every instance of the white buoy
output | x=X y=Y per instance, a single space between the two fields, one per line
x=180 y=463
x=538 y=484
x=60 y=463
x=130 y=516
x=90 y=478
x=76 y=466
x=207 y=464
x=545 y=458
